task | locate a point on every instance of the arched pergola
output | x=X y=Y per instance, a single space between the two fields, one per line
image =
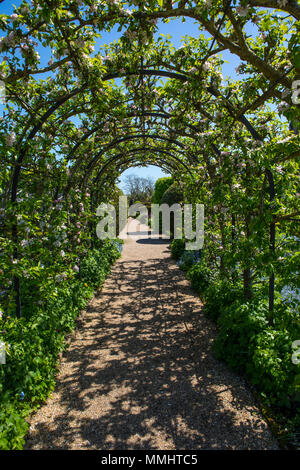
x=125 y=121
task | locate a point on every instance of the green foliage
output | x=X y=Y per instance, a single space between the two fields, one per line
x=173 y=195
x=270 y=366
x=93 y=270
x=239 y=324
x=220 y=295
x=203 y=140
x=177 y=247
x=200 y=276
x=188 y=259
x=161 y=185
x=13 y=427
x=33 y=344
x=248 y=344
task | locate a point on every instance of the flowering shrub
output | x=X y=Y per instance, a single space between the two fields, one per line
x=36 y=340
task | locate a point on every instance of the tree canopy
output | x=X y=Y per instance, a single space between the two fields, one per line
x=72 y=125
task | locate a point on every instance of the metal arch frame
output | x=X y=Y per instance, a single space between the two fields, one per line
x=161 y=162
x=74 y=92
x=93 y=162
x=108 y=77
x=120 y=155
x=147 y=113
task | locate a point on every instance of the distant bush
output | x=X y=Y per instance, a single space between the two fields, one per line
x=173 y=195
x=33 y=344
x=161 y=185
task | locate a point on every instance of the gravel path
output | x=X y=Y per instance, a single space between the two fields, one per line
x=139 y=372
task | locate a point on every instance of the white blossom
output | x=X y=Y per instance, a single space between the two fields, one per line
x=283 y=106
x=282 y=3
x=10 y=139
x=285 y=93
x=2 y=43
x=242 y=11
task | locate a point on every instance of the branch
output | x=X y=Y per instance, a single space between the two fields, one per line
x=291 y=7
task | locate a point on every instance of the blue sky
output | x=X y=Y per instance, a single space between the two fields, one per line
x=153 y=171
x=174 y=28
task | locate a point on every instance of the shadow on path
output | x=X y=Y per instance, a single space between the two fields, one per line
x=139 y=373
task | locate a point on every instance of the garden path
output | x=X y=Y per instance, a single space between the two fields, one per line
x=139 y=372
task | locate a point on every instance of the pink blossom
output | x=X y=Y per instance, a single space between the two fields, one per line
x=10 y=139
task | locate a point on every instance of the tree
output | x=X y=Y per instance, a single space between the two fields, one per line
x=138 y=188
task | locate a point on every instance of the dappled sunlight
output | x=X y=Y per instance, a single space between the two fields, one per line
x=139 y=372
x=204 y=92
